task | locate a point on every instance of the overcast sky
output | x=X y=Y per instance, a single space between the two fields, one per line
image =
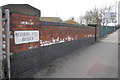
x=62 y=8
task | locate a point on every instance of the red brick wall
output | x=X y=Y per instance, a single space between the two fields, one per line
x=48 y=34
x=55 y=34
x=18 y=23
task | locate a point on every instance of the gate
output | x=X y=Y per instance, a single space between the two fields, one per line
x=5 y=47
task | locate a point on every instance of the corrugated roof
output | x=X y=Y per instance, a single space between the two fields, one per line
x=51 y=19
x=71 y=22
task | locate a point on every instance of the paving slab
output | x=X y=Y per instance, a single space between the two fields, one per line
x=99 y=60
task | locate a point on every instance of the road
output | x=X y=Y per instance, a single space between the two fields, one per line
x=99 y=60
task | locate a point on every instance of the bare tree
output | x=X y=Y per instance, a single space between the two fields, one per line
x=81 y=20
x=103 y=12
x=88 y=18
x=96 y=16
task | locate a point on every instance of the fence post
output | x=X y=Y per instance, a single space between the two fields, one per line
x=106 y=30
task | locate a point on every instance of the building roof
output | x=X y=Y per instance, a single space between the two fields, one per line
x=51 y=19
x=71 y=22
x=22 y=9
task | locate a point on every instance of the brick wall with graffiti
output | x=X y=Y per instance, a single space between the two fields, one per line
x=23 y=26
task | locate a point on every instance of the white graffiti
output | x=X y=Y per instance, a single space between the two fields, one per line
x=55 y=41
x=27 y=23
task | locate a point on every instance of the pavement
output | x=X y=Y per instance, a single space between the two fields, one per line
x=99 y=60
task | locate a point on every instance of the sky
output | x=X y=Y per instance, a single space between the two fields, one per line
x=62 y=8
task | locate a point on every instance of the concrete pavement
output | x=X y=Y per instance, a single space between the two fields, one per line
x=99 y=60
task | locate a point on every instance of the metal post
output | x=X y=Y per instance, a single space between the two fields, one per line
x=1 y=70
x=7 y=45
x=106 y=30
